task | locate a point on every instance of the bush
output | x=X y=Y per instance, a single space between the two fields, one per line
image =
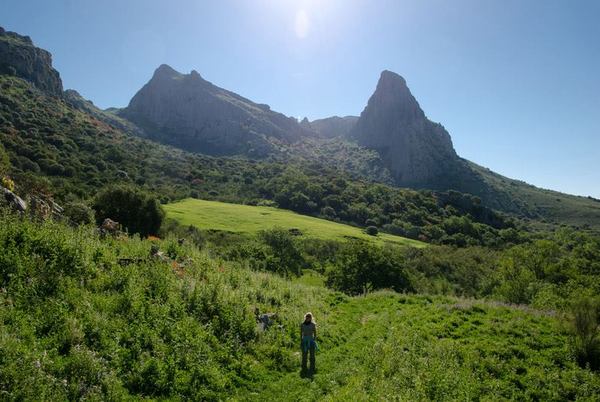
x=79 y=213
x=362 y=267
x=284 y=255
x=585 y=329
x=372 y=230
x=134 y=210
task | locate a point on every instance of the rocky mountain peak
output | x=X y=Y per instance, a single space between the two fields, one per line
x=165 y=71
x=392 y=95
x=416 y=150
x=189 y=112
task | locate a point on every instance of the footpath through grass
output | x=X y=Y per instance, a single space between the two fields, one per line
x=392 y=347
x=214 y=215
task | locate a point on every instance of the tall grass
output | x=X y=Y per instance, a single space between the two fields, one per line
x=586 y=332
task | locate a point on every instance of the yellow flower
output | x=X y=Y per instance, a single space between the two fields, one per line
x=8 y=183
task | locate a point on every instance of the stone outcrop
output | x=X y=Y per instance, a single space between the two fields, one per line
x=416 y=150
x=189 y=112
x=12 y=200
x=19 y=57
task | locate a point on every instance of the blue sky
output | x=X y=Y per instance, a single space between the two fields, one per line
x=516 y=83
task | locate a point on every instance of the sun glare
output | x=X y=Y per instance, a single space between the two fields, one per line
x=302 y=24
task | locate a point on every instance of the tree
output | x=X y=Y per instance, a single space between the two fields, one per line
x=362 y=267
x=284 y=257
x=79 y=213
x=371 y=230
x=136 y=211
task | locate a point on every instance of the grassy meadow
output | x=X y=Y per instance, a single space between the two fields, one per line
x=85 y=317
x=247 y=219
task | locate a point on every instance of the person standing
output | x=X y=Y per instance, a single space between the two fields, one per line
x=308 y=334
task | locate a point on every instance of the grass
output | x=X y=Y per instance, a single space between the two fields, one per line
x=387 y=346
x=214 y=215
x=77 y=324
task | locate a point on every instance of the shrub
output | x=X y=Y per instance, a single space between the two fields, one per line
x=585 y=330
x=362 y=267
x=136 y=211
x=79 y=213
x=372 y=230
x=284 y=256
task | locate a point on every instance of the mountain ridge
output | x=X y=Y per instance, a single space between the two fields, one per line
x=187 y=111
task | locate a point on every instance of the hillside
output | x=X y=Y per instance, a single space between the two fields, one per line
x=548 y=206
x=101 y=328
x=246 y=219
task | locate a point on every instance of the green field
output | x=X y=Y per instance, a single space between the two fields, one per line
x=250 y=219
x=78 y=324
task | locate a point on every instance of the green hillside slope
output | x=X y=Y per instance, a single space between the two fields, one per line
x=545 y=205
x=89 y=318
x=251 y=219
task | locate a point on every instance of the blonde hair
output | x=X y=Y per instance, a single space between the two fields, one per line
x=312 y=317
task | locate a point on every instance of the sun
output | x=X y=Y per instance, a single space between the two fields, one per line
x=302 y=24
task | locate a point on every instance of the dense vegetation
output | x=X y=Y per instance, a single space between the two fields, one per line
x=85 y=317
x=134 y=210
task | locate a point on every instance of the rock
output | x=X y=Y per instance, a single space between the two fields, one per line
x=189 y=112
x=416 y=150
x=334 y=126
x=44 y=208
x=14 y=201
x=18 y=56
x=264 y=320
x=110 y=226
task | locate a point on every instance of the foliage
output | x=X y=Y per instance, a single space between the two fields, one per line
x=79 y=213
x=76 y=323
x=372 y=230
x=134 y=210
x=586 y=318
x=284 y=256
x=361 y=267
x=4 y=161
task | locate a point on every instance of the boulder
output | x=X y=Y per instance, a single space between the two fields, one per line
x=14 y=201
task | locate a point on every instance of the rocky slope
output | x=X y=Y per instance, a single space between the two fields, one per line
x=335 y=126
x=19 y=57
x=189 y=112
x=417 y=151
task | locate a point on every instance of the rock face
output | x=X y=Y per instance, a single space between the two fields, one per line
x=19 y=57
x=191 y=113
x=417 y=151
x=334 y=126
